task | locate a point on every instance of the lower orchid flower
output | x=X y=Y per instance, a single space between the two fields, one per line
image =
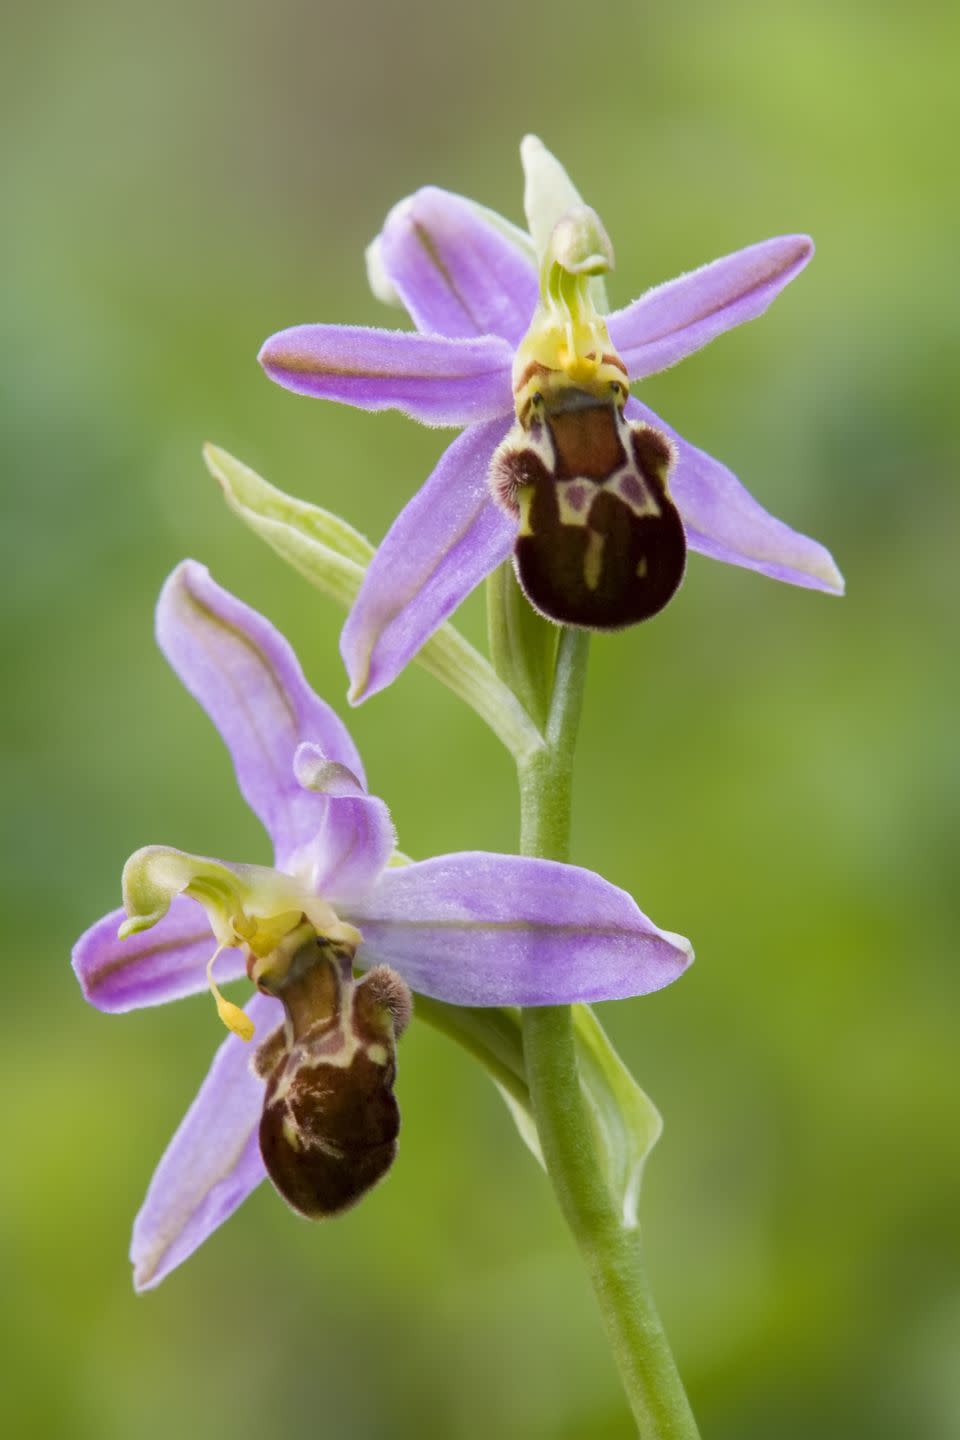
x=597 y=498
x=312 y=1105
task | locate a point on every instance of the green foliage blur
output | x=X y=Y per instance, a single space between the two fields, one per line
x=770 y=771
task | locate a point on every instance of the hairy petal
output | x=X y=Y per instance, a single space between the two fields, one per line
x=482 y=929
x=249 y=681
x=434 y=379
x=459 y=270
x=443 y=543
x=677 y=318
x=211 y=1164
x=357 y=836
x=723 y=520
x=150 y=968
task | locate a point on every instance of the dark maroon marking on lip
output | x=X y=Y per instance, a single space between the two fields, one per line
x=586 y=443
x=618 y=568
x=513 y=468
x=642 y=562
x=330 y=1119
x=575 y=496
x=652 y=451
x=328 y=1132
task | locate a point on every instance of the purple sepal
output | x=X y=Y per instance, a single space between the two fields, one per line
x=681 y=316
x=247 y=678
x=164 y=963
x=456 y=272
x=724 y=521
x=483 y=929
x=213 y=1161
x=443 y=543
x=432 y=378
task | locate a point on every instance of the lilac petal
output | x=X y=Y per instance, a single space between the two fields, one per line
x=154 y=966
x=449 y=537
x=432 y=378
x=249 y=681
x=675 y=319
x=211 y=1164
x=723 y=520
x=356 y=838
x=481 y=929
x=457 y=268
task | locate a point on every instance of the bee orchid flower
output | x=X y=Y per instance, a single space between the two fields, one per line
x=312 y=1104
x=596 y=497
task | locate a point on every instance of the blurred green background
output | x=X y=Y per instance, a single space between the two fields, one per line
x=770 y=771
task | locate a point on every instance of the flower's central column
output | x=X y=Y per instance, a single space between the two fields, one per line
x=600 y=544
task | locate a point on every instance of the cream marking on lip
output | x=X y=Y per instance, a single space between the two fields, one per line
x=636 y=496
x=574 y=499
x=593 y=560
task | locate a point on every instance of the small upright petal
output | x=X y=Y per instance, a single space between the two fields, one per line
x=459 y=269
x=677 y=318
x=722 y=519
x=356 y=838
x=161 y=964
x=327 y=550
x=431 y=378
x=447 y=539
x=211 y=1164
x=250 y=683
x=481 y=929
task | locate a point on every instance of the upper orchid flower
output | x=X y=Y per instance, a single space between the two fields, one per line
x=315 y=1108
x=597 y=497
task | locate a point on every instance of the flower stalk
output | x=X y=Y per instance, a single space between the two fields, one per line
x=598 y=502
x=597 y=1218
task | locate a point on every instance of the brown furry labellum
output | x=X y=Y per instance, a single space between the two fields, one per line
x=600 y=544
x=330 y=1118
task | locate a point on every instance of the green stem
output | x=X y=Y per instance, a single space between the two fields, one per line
x=612 y=1253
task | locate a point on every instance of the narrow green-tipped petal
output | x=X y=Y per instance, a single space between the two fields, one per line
x=323 y=548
